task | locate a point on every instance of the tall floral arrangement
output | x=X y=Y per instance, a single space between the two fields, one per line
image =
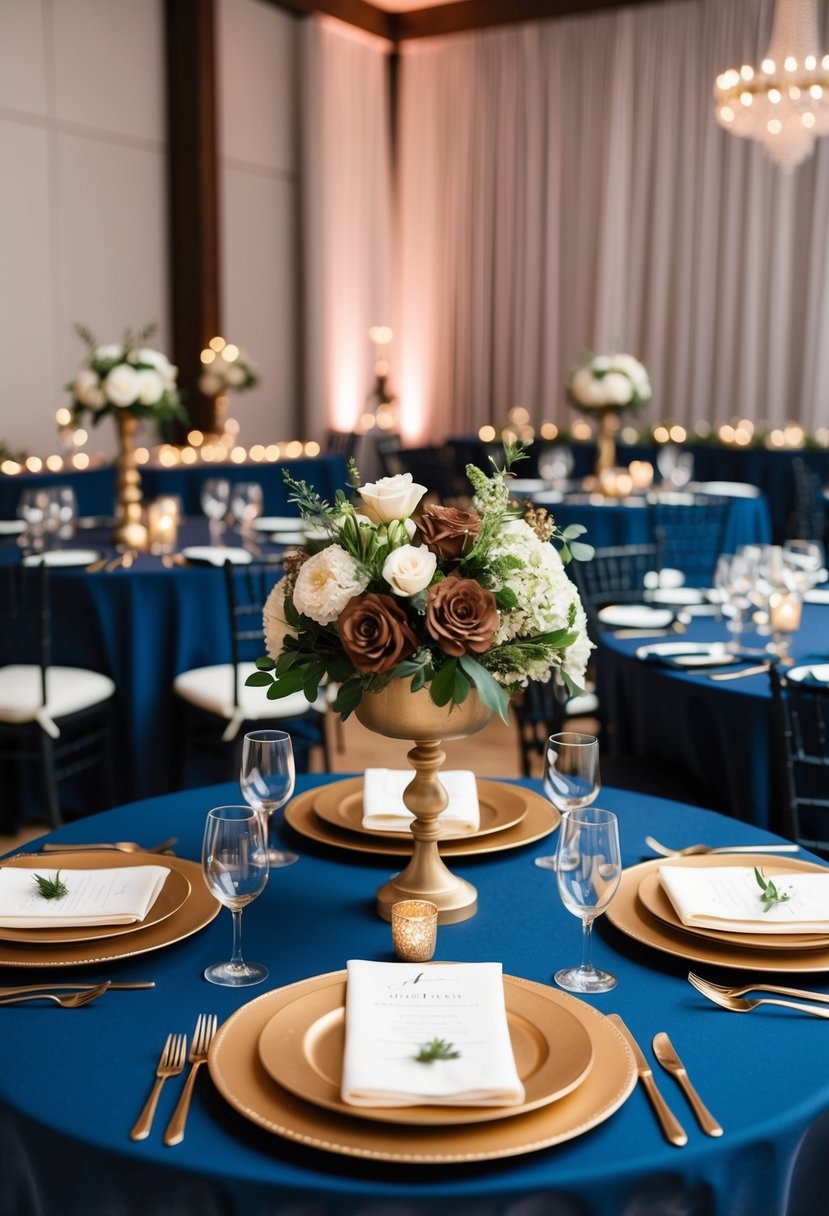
x=611 y=381
x=451 y=600
x=230 y=370
x=126 y=375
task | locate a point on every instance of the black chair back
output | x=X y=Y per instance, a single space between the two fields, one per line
x=615 y=575
x=690 y=536
x=24 y=605
x=247 y=588
x=539 y=712
x=801 y=758
x=807 y=519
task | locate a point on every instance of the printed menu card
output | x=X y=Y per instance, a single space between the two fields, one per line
x=730 y=898
x=114 y=896
x=434 y=1034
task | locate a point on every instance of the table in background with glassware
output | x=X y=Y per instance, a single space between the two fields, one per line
x=68 y=1100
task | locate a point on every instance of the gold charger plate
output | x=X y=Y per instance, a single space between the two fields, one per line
x=198 y=910
x=627 y=912
x=302 y=1049
x=656 y=900
x=539 y=821
x=341 y=804
x=169 y=899
x=241 y=1079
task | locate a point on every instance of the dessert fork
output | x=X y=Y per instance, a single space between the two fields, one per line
x=729 y=991
x=171 y=1064
x=737 y=1004
x=71 y=1001
x=692 y=850
x=205 y=1029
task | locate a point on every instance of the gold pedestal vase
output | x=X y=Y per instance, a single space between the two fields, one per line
x=129 y=530
x=398 y=713
x=609 y=424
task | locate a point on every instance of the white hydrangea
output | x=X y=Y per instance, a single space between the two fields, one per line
x=274 y=625
x=325 y=584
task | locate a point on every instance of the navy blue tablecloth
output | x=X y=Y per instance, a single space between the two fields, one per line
x=72 y=1082
x=721 y=732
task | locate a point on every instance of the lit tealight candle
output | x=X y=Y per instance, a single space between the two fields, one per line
x=414 y=925
x=785 y=608
x=615 y=483
x=162 y=527
x=641 y=474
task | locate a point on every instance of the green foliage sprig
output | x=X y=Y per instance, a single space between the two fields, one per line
x=51 y=888
x=436 y=1049
x=771 y=895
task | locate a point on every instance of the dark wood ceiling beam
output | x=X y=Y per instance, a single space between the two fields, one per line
x=355 y=12
x=192 y=187
x=480 y=14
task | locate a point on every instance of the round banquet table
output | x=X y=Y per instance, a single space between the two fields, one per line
x=72 y=1082
x=721 y=732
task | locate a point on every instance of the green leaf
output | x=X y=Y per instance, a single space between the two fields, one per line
x=573 y=530
x=506 y=599
x=443 y=683
x=461 y=687
x=418 y=679
x=265 y=663
x=339 y=670
x=311 y=688
x=582 y=552
x=489 y=690
x=292 y=681
x=349 y=697
x=287 y=660
x=259 y=679
x=51 y=888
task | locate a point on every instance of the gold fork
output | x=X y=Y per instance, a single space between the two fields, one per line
x=731 y=991
x=738 y=1004
x=172 y=1062
x=73 y=1001
x=205 y=1029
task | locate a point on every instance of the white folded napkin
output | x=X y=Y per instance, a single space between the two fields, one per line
x=393 y=1009
x=385 y=811
x=729 y=898
x=116 y=896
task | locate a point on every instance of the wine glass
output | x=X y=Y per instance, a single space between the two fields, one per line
x=588 y=872
x=246 y=502
x=235 y=868
x=571 y=776
x=802 y=564
x=267 y=780
x=215 y=493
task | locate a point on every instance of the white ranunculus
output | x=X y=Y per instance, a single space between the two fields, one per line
x=150 y=386
x=391 y=498
x=275 y=627
x=87 y=389
x=409 y=569
x=617 y=388
x=121 y=385
x=325 y=584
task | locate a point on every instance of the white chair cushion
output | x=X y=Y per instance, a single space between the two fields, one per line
x=68 y=689
x=211 y=689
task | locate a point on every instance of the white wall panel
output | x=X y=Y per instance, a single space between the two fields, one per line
x=259 y=292
x=256 y=58
x=109 y=60
x=22 y=52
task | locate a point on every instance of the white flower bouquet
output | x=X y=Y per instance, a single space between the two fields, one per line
x=128 y=376
x=231 y=369
x=452 y=600
x=617 y=382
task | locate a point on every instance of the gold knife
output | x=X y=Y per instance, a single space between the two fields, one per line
x=665 y=1053
x=671 y=1127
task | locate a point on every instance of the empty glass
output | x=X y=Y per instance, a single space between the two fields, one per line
x=246 y=501
x=555 y=464
x=803 y=562
x=267 y=780
x=215 y=494
x=571 y=776
x=588 y=870
x=235 y=868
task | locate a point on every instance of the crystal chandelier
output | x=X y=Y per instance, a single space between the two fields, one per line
x=783 y=103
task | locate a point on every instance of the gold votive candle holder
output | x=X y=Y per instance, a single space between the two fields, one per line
x=414 y=929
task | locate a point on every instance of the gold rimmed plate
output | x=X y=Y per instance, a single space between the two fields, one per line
x=242 y=1080
x=199 y=909
x=630 y=916
x=540 y=820
x=341 y=805
x=656 y=900
x=169 y=899
x=302 y=1049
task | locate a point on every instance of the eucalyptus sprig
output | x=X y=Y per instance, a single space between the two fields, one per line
x=51 y=888
x=771 y=895
x=436 y=1049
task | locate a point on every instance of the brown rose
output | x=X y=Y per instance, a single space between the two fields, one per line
x=375 y=633
x=461 y=615
x=448 y=531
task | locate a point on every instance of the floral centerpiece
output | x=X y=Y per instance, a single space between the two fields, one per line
x=225 y=373
x=450 y=600
x=129 y=381
x=606 y=385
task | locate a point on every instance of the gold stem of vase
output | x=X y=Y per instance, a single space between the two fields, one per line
x=606 y=440
x=129 y=530
x=426 y=876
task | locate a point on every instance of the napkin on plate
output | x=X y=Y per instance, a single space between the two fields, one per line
x=729 y=898
x=116 y=896
x=385 y=811
x=392 y=1009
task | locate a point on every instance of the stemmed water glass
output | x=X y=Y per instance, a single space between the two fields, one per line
x=215 y=493
x=235 y=868
x=571 y=776
x=267 y=780
x=246 y=502
x=588 y=871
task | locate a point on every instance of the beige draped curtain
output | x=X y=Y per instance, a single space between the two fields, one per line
x=563 y=186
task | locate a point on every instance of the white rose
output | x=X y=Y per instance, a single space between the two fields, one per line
x=121 y=385
x=601 y=363
x=585 y=388
x=108 y=353
x=391 y=498
x=409 y=569
x=325 y=584
x=150 y=386
x=275 y=627
x=87 y=389
x=617 y=388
